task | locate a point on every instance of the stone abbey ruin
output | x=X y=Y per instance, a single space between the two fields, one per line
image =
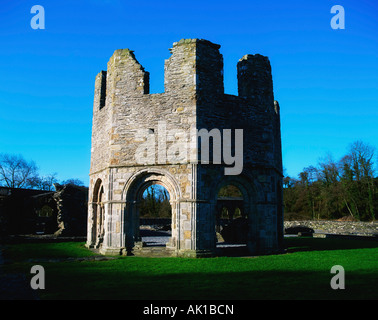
x=126 y=117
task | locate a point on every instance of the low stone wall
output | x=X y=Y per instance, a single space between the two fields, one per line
x=155 y=221
x=338 y=227
x=320 y=226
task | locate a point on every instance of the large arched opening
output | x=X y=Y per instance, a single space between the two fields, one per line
x=141 y=193
x=235 y=201
x=155 y=216
x=231 y=219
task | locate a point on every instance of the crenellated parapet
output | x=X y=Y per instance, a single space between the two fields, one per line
x=193 y=97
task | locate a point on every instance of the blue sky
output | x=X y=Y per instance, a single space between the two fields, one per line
x=325 y=80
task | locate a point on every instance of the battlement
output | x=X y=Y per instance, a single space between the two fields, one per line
x=195 y=68
x=193 y=97
x=196 y=41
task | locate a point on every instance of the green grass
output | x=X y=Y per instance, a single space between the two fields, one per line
x=62 y=250
x=302 y=273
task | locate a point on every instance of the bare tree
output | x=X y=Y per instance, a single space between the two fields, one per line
x=329 y=171
x=43 y=183
x=16 y=172
x=362 y=155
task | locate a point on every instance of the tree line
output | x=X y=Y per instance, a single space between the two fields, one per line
x=16 y=172
x=333 y=189
x=155 y=203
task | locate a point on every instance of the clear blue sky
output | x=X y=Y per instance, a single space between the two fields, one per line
x=325 y=80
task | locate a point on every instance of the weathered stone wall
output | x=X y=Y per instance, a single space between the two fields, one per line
x=338 y=227
x=61 y=212
x=72 y=205
x=17 y=211
x=101 y=125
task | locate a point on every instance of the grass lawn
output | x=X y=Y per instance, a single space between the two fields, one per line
x=302 y=273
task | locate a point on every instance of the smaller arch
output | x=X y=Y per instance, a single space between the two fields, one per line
x=96 y=190
x=223 y=212
x=246 y=188
x=98 y=213
x=239 y=212
x=246 y=183
x=238 y=230
x=233 y=227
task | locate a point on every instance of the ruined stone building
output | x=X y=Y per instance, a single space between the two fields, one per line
x=127 y=118
x=62 y=212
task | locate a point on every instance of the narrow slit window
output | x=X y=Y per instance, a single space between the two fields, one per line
x=103 y=89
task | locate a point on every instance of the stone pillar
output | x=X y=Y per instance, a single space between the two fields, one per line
x=255 y=81
x=255 y=86
x=125 y=76
x=196 y=66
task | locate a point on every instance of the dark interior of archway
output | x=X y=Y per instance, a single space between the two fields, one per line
x=155 y=214
x=231 y=222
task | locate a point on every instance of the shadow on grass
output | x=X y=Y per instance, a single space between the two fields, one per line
x=207 y=286
x=64 y=250
x=299 y=244
x=320 y=244
x=305 y=275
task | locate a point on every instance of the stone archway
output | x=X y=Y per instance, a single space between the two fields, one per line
x=132 y=195
x=231 y=228
x=98 y=215
x=246 y=202
x=137 y=211
x=155 y=216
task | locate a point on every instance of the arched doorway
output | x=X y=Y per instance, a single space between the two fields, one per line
x=98 y=214
x=135 y=193
x=155 y=216
x=231 y=219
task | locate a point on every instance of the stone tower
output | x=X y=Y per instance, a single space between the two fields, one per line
x=127 y=121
